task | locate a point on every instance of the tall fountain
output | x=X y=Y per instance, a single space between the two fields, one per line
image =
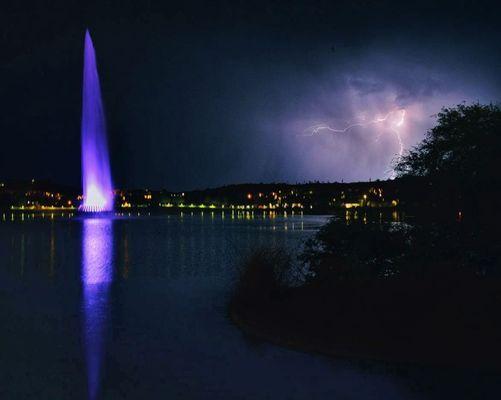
x=96 y=175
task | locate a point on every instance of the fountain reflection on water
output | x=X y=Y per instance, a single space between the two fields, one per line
x=97 y=275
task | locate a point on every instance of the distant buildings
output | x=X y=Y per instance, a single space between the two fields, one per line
x=308 y=197
x=35 y=195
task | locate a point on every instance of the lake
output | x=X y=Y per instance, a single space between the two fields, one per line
x=134 y=307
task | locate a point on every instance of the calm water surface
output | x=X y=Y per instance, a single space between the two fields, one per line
x=115 y=308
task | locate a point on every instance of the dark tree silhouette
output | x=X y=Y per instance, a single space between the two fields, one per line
x=460 y=157
x=464 y=145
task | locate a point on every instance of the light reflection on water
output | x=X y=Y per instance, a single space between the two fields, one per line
x=97 y=274
x=349 y=215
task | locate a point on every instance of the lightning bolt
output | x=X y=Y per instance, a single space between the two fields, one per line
x=396 y=124
x=396 y=130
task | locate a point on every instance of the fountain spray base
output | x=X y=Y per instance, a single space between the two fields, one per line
x=93 y=209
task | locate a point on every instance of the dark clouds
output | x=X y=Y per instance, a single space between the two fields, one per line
x=210 y=93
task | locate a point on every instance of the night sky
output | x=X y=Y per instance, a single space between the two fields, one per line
x=202 y=94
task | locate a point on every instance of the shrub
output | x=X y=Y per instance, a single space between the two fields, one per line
x=263 y=275
x=396 y=251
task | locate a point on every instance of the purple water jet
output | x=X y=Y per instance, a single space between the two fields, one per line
x=96 y=176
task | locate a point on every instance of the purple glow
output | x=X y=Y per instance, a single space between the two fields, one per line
x=97 y=274
x=96 y=176
x=97 y=251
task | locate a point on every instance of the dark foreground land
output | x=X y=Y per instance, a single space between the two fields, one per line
x=413 y=296
x=384 y=323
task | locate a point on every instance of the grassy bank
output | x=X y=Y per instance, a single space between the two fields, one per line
x=434 y=314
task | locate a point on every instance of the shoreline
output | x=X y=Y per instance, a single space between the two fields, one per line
x=281 y=325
